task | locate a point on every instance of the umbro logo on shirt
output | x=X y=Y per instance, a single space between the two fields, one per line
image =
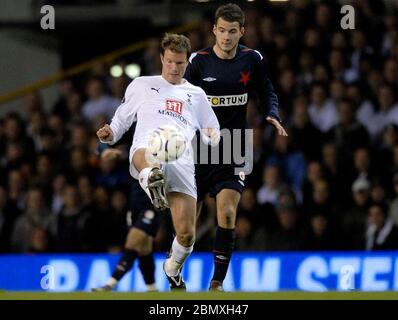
x=209 y=79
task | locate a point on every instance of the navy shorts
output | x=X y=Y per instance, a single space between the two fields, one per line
x=213 y=178
x=142 y=214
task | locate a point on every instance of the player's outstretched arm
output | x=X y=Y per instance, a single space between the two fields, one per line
x=266 y=93
x=125 y=114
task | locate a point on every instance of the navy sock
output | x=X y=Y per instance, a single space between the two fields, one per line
x=125 y=264
x=223 y=247
x=147 y=267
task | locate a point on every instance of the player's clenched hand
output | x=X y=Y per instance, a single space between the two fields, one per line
x=105 y=133
x=281 y=130
x=111 y=154
x=211 y=136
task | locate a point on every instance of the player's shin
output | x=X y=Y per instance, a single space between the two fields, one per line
x=223 y=247
x=124 y=265
x=147 y=267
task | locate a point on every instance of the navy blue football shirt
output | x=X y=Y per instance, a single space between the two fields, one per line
x=229 y=83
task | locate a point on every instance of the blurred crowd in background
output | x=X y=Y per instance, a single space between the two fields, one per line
x=332 y=184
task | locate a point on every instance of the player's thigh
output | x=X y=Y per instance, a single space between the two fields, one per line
x=183 y=212
x=180 y=177
x=148 y=220
x=139 y=241
x=181 y=194
x=227 y=201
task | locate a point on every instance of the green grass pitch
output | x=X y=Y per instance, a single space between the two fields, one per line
x=284 y=295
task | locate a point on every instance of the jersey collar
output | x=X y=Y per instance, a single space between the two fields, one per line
x=226 y=60
x=184 y=81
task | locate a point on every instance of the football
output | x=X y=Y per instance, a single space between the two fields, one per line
x=167 y=143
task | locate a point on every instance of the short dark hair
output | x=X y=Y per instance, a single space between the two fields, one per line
x=230 y=12
x=176 y=43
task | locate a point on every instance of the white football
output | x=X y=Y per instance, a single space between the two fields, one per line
x=167 y=143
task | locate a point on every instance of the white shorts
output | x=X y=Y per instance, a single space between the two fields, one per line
x=179 y=175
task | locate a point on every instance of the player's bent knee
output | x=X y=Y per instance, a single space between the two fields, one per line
x=228 y=212
x=226 y=217
x=145 y=250
x=141 y=159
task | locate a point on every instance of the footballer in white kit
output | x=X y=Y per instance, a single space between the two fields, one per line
x=152 y=102
x=159 y=101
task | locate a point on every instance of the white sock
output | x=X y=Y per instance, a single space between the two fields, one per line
x=112 y=282
x=143 y=180
x=179 y=254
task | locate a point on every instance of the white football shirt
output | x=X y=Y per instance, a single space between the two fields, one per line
x=152 y=101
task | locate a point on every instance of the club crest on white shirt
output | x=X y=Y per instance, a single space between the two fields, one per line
x=189 y=98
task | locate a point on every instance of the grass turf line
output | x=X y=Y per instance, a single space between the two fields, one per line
x=282 y=295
